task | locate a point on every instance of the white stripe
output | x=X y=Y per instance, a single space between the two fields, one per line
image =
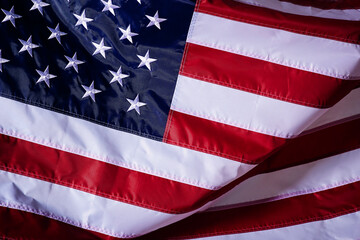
x=308 y=178
x=347 y=108
x=241 y=109
x=341 y=14
x=79 y=208
x=343 y=227
x=130 y=151
x=309 y=53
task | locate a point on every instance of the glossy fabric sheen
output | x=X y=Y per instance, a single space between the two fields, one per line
x=304 y=52
x=273 y=215
x=123 y=149
x=155 y=88
x=96 y=177
x=264 y=78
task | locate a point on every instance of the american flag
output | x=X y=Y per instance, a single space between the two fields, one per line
x=170 y=119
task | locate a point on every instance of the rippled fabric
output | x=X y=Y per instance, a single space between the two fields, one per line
x=155 y=88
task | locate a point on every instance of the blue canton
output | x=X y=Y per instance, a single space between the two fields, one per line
x=112 y=62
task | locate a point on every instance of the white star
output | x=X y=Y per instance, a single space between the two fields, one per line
x=38 y=4
x=155 y=20
x=2 y=60
x=118 y=76
x=135 y=104
x=127 y=34
x=27 y=46
x=146 y=60
x=73 y=62
x=109 y=6
x=45 y=76
x=139 y=1
x=90 y=91
x=100 y=48
x=10 y=16
x=56 y=33
x=82 y=20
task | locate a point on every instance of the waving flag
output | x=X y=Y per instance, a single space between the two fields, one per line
x=220 y=119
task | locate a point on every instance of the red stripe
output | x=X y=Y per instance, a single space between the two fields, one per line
x=307 y=148
x=264 y=78
x=219 y=139
x=317 y=145
x=16 y=224
x=296 y=210
x=96 y=177
x=304 y=149
x=326 y=4
x=341 y=30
